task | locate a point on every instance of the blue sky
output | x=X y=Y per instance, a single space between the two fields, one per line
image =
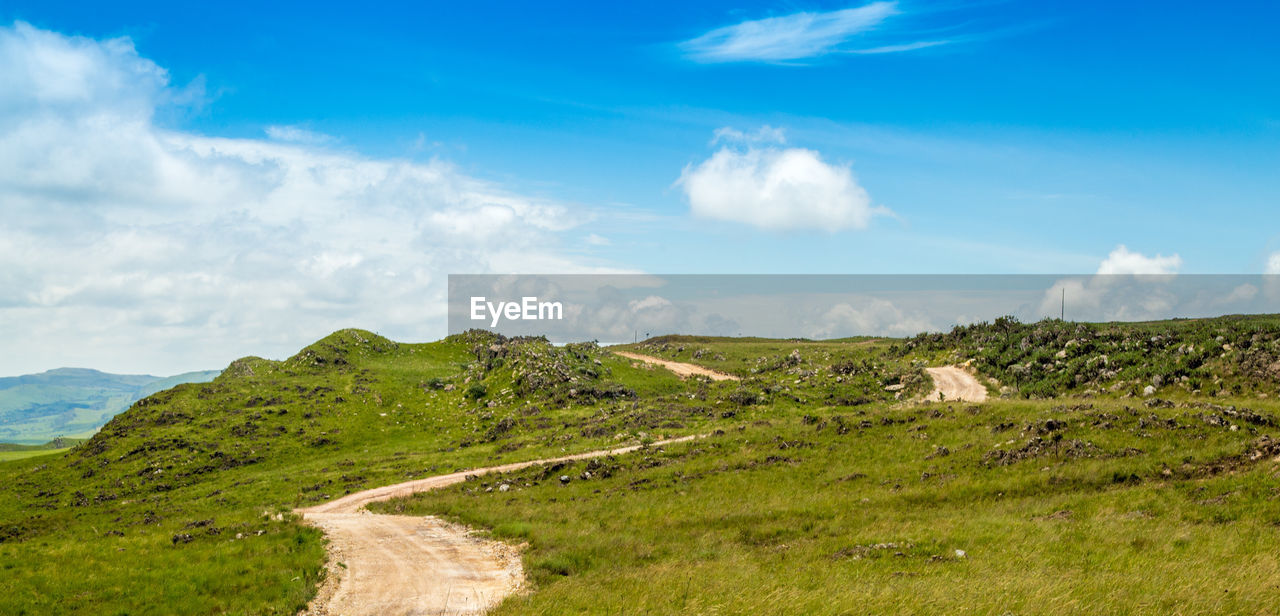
x=884 y=137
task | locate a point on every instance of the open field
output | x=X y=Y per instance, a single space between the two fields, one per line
x=825 y=485
x=29 y=453
x=1007 y=508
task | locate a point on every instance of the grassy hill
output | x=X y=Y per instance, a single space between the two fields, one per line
x=179 y=505
x=73 y=402
x=1227 y=356
x=821 y=487
x=11 y=451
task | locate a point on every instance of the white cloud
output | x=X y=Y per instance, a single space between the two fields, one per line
x=297 y=134
x=649 y=303
x=1123 y=261
x=131 y=247
x=798 y=36
x=899 y=47
x=764 y=134
x=1273 y=264
x=872 y=316
x=1128 y=286
x=1240 y=294
x=776 y=188
x=48 y=71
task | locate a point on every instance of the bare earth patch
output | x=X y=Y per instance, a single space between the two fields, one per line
x=399 y=565
x=954 y=383
x=681 y=369
x=396 y=564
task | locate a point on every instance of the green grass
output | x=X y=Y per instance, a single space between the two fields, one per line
x=6 y=456
x=818 y=491
x=804 y=519
x=171 y=508
x=11 y=451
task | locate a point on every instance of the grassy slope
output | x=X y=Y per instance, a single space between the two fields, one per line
x=10 y=451
x=1107 y=505
x=805 y=520
x=818 y=493
x=22 y=454
x=172 y=507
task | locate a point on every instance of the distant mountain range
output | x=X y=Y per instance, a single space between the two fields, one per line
x=74 y=402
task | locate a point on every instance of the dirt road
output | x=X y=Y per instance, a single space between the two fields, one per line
x=954 y=383
x=399 y=565
x=681 y=369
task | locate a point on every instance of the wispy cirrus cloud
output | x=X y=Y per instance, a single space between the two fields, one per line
x=800 y=36
x=297 y=134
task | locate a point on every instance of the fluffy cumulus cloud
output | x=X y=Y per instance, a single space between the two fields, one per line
x=1123 y=261
x=129 y=246
x=754 y=179
x=1128 y=286
x=1273 y=265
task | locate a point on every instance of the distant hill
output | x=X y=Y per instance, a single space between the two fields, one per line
x=73 y=402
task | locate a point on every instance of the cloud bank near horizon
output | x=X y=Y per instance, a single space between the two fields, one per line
x=180 y=247
x=620 y=308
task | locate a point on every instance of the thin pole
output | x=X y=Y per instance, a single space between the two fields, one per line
x=1063 y=316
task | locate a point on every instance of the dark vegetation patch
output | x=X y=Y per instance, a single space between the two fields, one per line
x=1211 y=357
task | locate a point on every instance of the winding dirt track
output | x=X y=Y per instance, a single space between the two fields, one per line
x=681 y=369
x=954 y=383
x=400 y=565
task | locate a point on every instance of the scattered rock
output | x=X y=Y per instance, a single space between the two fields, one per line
x=939 y=451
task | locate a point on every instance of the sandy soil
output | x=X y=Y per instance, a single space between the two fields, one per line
x=954 y=383
x=399 y=565
x=681 y=369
